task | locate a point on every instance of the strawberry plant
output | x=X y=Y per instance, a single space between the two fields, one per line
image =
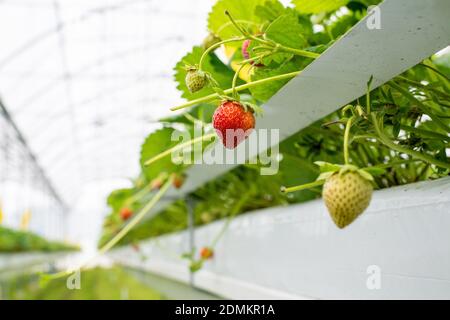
x=395 y=134
x=12 y=241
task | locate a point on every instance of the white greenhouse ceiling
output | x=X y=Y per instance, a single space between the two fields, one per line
x=85 y=80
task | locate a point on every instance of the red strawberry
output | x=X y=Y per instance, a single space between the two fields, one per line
x=233 y=123
x=125 y=213
x=246 y=54
x=206 y=253
x=178 y=180
x=245 y=45
x=156 y=184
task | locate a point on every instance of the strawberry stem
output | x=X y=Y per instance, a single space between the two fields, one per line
x=137 y=218
x=303 y=186
x=137 y=196
x=346 y=139
x=424 y=87
x=259 y=57
x=238 y=88
x=218 y=44
x=427 y=110
x=234 y=211
x=230 y=23
x=383 y=138
x=178 y=147
x=111 y=243
x=423 y=64
x=194 y=120
x=299 y=52
x=233 y=83
x=238 y=27
x=394 y=163
x=368 y=95
x=272 y=44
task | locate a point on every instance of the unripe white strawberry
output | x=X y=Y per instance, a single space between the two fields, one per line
x=346 y=195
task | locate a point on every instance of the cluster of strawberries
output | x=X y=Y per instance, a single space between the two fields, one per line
x=126 y=213
x=232 y=120
x=346 y=193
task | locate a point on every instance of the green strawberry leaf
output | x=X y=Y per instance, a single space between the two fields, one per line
x=270 y=10
x=243 y=13
x=286 y=30
x=278 y=58
x=203 y=112
x=156 y=143
x=212 y=65
x=347 y=168
x=318 y=6
x=196 y=265
x=44 y=280
x=343 y=24
x=116 y=198
x=374 y=171
x=295 y=171
x=266 y=91
x=187 y=255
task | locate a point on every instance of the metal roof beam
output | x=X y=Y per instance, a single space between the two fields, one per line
x=31 y=155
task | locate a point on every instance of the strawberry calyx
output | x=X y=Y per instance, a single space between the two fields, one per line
x=189 y=67
x=254 y=108
x=247 y=106
x=328 y=169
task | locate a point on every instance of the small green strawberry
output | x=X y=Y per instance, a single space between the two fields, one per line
x=347 y=193
x=195 y=79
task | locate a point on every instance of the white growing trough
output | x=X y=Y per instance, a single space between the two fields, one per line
x=15 y=263
x=297 y=252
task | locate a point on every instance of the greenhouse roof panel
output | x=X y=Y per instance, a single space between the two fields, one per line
x=104 y=67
